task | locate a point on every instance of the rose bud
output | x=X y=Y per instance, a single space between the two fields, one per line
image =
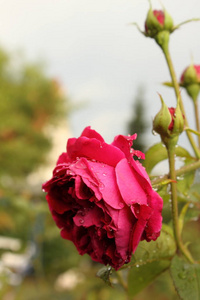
x=159 y=25
x=102 y=199
x=157 y=21
x=169 y=123
x=190 y=80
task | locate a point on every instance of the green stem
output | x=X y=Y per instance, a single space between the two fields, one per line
x=121 y=280
x=185 y=169
x=177 y=235
x=178 y=95
x=196 y=108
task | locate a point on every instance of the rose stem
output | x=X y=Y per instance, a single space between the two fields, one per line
x=174 y=207
x=185 y=169
x=196 y=109
x=121 y=280
x=178 y=95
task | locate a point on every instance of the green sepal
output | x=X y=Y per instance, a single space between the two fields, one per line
x=104 y=273
x=193 y=90
x=162 y=120
x=168 y=23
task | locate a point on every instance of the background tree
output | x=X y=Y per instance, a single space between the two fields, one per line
x=138 y=123
x=29 y=101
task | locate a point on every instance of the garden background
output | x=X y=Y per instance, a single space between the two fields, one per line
x=65 y=65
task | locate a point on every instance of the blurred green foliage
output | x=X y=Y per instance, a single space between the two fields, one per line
x=29 y=101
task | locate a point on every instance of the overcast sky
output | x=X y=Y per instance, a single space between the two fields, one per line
x=98 y=57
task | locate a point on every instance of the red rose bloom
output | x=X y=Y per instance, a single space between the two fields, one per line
x=102 y=198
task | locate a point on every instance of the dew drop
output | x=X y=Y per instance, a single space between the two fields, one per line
x=101 y=185
x=81 y=213
x=81 y=221
x=104 y=174
x=121 y=204
x=154 y=132
x=80 y=166
x=182 y=275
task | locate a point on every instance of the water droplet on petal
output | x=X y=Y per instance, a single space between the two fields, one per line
x=81 y=221
x=101 y=185
x=104 y=174
x=121 y=204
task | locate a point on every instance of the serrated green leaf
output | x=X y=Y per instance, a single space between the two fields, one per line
x=164 y=193
x=194 y=193
x=153 y=156
x=104 y=273
x=186 y=278
x=158 y=153
x=164 y=247
x=141 y=276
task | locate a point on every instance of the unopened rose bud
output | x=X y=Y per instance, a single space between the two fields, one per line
x=190 y=80
x=159 y=25
x=169 y=123
x=156 y=21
